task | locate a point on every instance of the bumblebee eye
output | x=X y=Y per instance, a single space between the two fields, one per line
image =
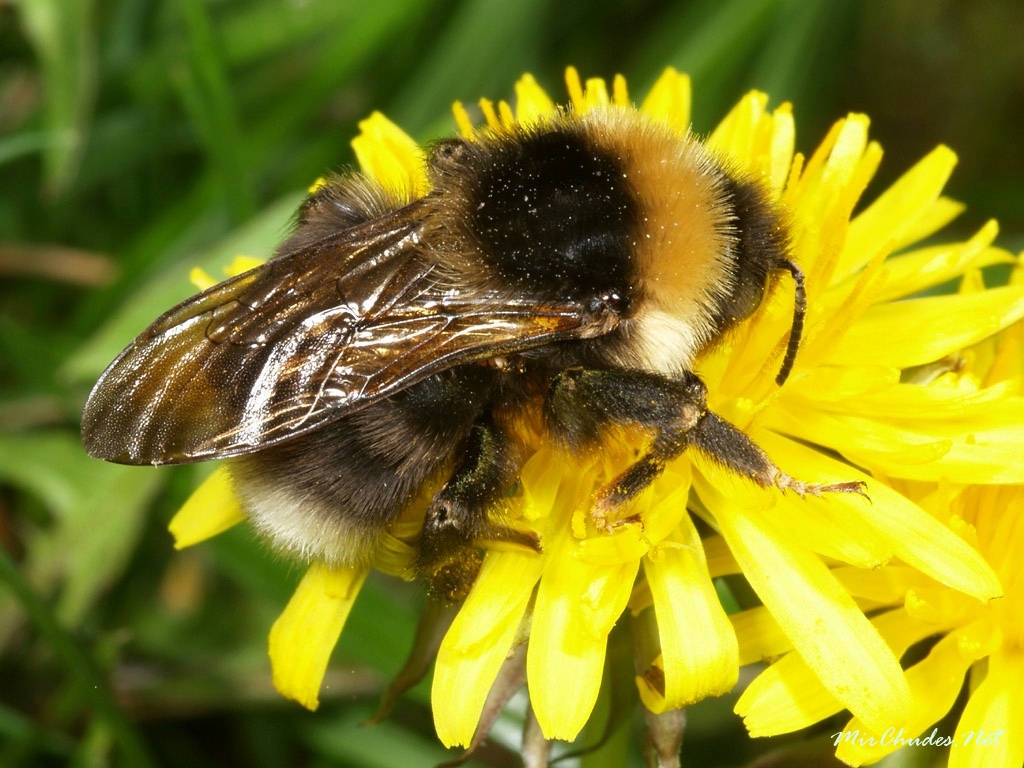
x=613 y=301
x=616 y=302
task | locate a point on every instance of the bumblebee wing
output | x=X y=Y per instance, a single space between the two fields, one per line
x=298 y=342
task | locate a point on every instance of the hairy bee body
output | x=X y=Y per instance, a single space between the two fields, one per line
x=331 y=493
x=573 y=269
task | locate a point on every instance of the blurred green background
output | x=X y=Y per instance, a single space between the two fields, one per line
x=141 y=137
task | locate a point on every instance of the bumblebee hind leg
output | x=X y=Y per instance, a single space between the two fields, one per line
x=582 y=402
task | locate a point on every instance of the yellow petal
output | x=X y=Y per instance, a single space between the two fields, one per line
x=577 y=605
x=935 y=684
x=919 y=331
x=912 y=272
x=242 y=263
x=820 y=204
x=211 y=509
x=889 y=448
x=532 y=102
x=505 y=115
x=478 y=642
x=574 y=88
x=945 y=411
x=760 y=636
x=789 y=695
x=936 y=432
x=720 y=559
x=786 y=697
x=396 y=556
x=935 y=217
x=880 y=227
x=620 y=94
x=835 y=176
x=490 y=114
x=989 y=733
x=735 y=136
x=830 y=525
x=988 y=456
x=201 y=279
x=627 y=543
x=595 y=94
x=304 y=635
x=911 y=534
x=699 y=653
x=828 y=629
x=783 y=140
x=826 y=161
x=462 y=119
x=389 y=155
x=883 y=586
x=823 y=198
x=585 y=97
x=845 y=155
x=660 y=509
x=669 y=100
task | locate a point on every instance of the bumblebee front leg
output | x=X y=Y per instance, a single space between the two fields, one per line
x=460 y=513
x=582 y=403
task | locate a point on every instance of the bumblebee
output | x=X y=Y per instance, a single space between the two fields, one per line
x=574 y=268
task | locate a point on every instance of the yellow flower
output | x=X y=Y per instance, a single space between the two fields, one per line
x=982 y=643
x=550 y=613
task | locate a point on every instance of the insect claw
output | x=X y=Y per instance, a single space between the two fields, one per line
x=859 y=487
x=784 y=482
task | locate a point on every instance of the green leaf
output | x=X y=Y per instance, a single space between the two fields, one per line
x=98 y=513
x=208 y=97
x=61 y=31
x=710 y=40
x=384 y=745
x=469 y=58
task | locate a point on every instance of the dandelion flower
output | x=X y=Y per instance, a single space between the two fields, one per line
x=845 y=414
x=967 y=640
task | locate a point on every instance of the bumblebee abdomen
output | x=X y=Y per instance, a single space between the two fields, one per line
x=331 y=494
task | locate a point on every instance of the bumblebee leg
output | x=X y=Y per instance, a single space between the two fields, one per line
x=458 y=516
x=581 y=403
x=721 y=441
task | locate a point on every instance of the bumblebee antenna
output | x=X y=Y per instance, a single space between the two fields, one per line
x=797 y=328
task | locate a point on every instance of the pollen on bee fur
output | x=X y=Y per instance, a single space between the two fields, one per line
x=565 y=276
